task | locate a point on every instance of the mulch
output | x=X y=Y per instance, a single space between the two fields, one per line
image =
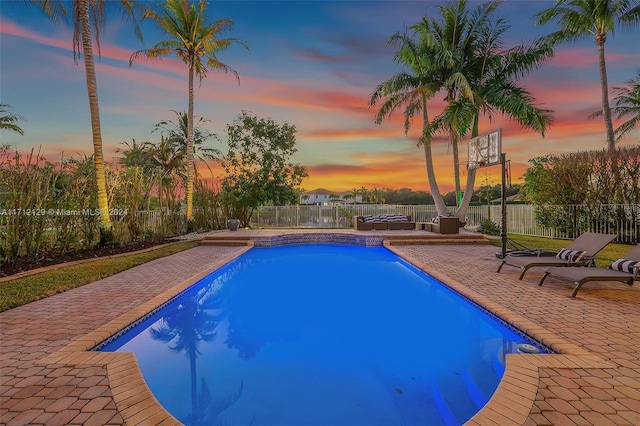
x=55 y=258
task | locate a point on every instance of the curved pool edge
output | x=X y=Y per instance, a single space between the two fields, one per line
x=515 y=396
x=511 y=404
x=133 y=399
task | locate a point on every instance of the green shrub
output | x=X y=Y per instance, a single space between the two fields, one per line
x=489 y=228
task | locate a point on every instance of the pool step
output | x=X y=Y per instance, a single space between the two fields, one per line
x=226 y=240
x=436 y=239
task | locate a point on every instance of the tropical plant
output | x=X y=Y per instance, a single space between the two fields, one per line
x=410 y=90
x=196 y=41
x=463 y=54
x=162 y=160
x=482 y=78
x=166 y=158
x=578 y=19
x=176 y=134
x=85 y=13
x=137 y=155
x=8 y=120
x=489 y=228
x=452 y=43
x=627 y=103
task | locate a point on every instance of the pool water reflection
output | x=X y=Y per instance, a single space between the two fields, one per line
x=320 y=335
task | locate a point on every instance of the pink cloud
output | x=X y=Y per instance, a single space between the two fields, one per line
x=63 y=40
x=586 y=57
x=575 y=58
x=9 y=28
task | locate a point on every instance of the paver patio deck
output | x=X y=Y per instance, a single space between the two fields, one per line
x=47 y=377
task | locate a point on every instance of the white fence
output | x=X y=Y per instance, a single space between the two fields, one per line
x=35 y=234
x=559 y=221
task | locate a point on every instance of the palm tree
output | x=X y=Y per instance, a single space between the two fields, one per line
x=177 y=134
x=480 y=76
x=410 y=90
x=8 y=120
x=578 y=19
x=627 y=103
x=450 y=43
x=364 y=193
x=83 y=12
x=137 y=155
x=197 y=43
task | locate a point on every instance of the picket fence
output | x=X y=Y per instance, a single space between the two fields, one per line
x=561 y=221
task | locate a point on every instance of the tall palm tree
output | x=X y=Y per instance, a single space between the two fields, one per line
x=85 y=13
x=481 y=77
x=450 y=42
x=410 y=90
x=626 y=103
x=197 y=42
x=8 y=120
x=578 y=19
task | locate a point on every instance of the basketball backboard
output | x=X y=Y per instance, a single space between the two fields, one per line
x=485 y=150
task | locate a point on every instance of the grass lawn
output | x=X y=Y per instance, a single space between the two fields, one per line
x=23 y=290
x=609 y=254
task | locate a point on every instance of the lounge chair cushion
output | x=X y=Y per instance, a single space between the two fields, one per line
x=625 y=265
x=570 y=255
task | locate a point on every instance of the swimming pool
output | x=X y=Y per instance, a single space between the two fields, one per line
x=320 y=335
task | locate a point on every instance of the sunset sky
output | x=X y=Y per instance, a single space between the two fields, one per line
x=313 y=64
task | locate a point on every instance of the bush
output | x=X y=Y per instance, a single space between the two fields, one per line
x=489 y=228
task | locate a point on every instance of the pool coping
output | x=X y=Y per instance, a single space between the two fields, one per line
x=513 y=400
x=511 y=404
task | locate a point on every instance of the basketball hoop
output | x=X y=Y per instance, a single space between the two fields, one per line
x=485 y=150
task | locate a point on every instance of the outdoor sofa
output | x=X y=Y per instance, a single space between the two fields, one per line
x=624 y=270
x=383 y=222
x=443 y=225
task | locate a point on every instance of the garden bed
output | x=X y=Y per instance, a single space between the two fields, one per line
x=55 y=258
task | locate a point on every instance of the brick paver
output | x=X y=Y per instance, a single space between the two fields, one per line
x=56 y=394
x=47 y=377
x=602 y=321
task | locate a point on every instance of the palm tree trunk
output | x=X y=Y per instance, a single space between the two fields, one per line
x=461 y=212
x=92 y=89
x=190 y=164
x=441 y=207
x=604 y=84
x=456 y=164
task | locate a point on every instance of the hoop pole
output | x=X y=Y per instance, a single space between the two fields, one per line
x=503 y=228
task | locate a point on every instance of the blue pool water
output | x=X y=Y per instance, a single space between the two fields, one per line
x=320 y=335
